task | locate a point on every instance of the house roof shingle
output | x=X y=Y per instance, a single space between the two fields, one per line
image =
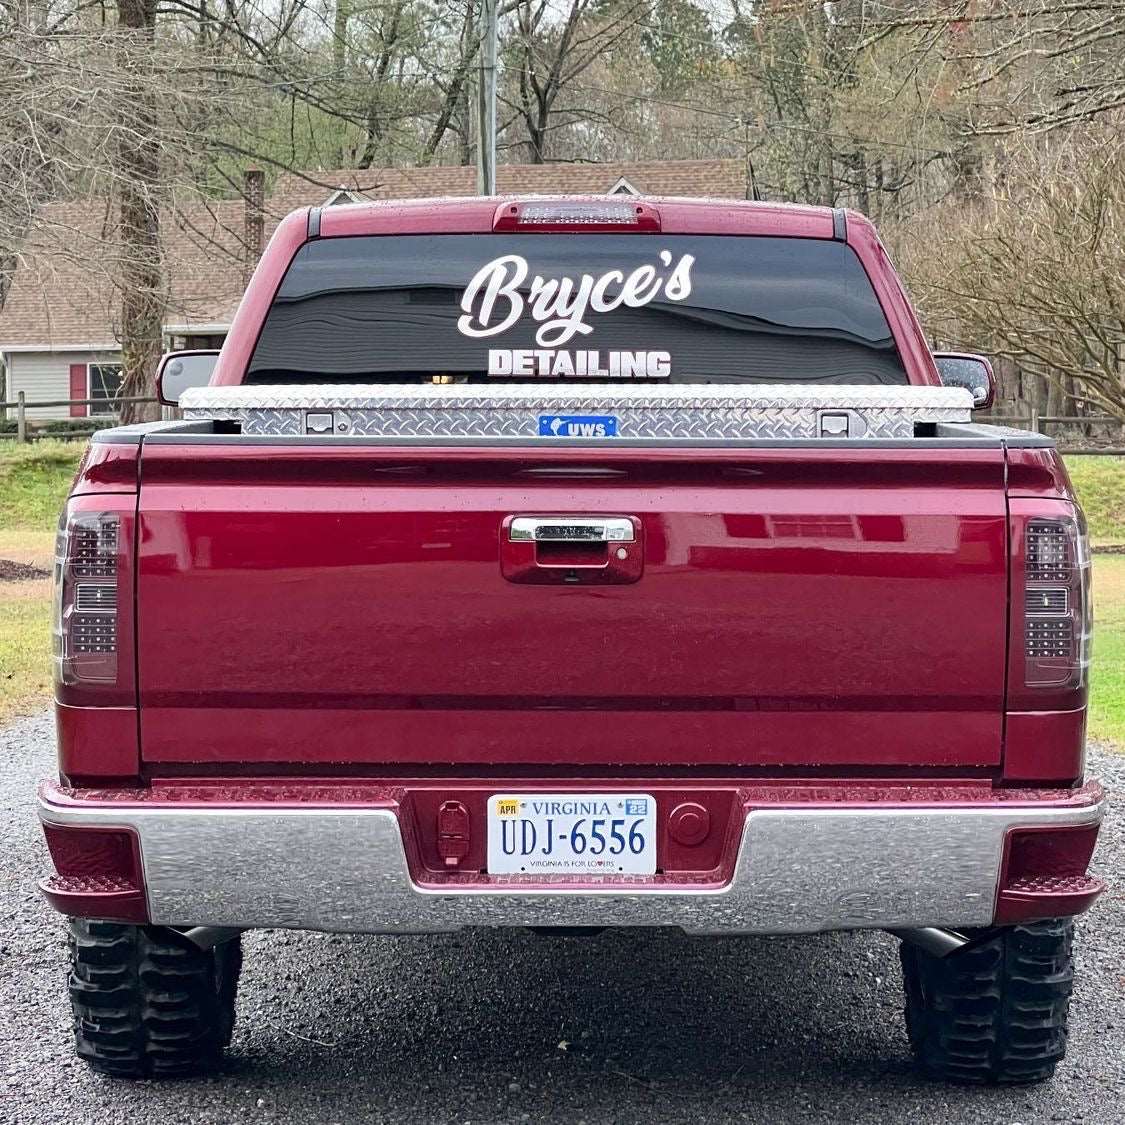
x=725 y=179
x=62 y=294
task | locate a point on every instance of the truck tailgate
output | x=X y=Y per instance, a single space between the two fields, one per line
x=345 y=605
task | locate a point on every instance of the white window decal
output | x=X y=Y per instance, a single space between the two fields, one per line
x=493 y=301
x=545 y=363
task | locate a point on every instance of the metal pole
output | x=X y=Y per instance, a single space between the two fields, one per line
x=21 y=418
x=486 y=100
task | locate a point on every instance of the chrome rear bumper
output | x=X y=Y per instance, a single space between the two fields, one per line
x=345 y=869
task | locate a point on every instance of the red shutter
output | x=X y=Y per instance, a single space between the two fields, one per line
x=78 y=388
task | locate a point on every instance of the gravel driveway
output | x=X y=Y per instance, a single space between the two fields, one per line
x=492 y=1027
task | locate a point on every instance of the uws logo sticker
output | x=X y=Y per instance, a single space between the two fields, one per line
x=500 y=294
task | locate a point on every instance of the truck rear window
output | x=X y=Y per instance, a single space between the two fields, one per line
x=574 y=307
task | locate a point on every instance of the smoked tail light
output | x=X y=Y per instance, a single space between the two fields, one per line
x=92 y=626
x=93 y=639
x=85 y=631
x=1057 y=602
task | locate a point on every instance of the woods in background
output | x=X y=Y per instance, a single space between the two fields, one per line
x=984 y=137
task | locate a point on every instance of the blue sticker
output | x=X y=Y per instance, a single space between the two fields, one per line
x=577 y=425
x=636 y=807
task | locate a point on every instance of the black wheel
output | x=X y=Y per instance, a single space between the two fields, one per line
x=995 y=1011
x=148 y=1003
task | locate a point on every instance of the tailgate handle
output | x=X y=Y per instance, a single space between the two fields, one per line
x=571 y=550
x=570 y=529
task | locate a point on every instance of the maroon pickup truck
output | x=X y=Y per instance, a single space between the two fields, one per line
x=573 y=563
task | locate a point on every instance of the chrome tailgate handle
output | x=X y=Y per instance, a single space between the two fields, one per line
x=572 y=550
x=571 y=529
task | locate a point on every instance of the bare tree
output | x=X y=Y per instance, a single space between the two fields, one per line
x=549 y=52
x=1036 y=273
x=450 y=71
x=138 y=163
x=109 y=114
x=1033 y=65
x=28 y=130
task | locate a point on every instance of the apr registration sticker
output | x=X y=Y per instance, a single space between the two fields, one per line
x=577 y=425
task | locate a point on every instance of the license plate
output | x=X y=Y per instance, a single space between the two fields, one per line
x=572 y=834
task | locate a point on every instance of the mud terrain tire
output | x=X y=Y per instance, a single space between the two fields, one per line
x=148 y=1003
x=996 y=1011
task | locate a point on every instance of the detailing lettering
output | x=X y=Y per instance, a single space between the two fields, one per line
x=493 y=301
x=542 y=363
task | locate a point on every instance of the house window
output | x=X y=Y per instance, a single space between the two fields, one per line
x=196 y=342
x=103 y=382
x=206 y=343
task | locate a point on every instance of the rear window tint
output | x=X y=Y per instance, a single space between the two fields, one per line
x=575 y=307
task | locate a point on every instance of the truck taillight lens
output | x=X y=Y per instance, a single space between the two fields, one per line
x=85 y=632
x=1057 y=603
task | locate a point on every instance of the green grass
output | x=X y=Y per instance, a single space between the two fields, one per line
x=1107 y=673
x=25 y=639
x=34 y=481
x=1100 y=484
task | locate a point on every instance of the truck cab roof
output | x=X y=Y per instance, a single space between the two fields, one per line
x=675 y=214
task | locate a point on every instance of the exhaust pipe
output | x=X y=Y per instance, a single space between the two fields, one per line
x=933 y=939
x=207 y=937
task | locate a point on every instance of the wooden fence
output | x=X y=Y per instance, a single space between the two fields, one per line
x=1033 y=420
x=1112 y=444
x=25 y=432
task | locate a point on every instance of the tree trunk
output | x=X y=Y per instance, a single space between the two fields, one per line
x=828 y=181
x=536 y=116
x=863 y=193
x=1041 y=389
x=340 y=37
x=141 y=273
x=8 y=263
x=464 y=130
x=536 y=138
x=456 y=92
x=372 y=134
x=204 y=27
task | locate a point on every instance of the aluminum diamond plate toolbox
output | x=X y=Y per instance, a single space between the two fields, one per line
x=526 y=411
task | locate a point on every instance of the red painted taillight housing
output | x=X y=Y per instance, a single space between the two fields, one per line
x=92 y=628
